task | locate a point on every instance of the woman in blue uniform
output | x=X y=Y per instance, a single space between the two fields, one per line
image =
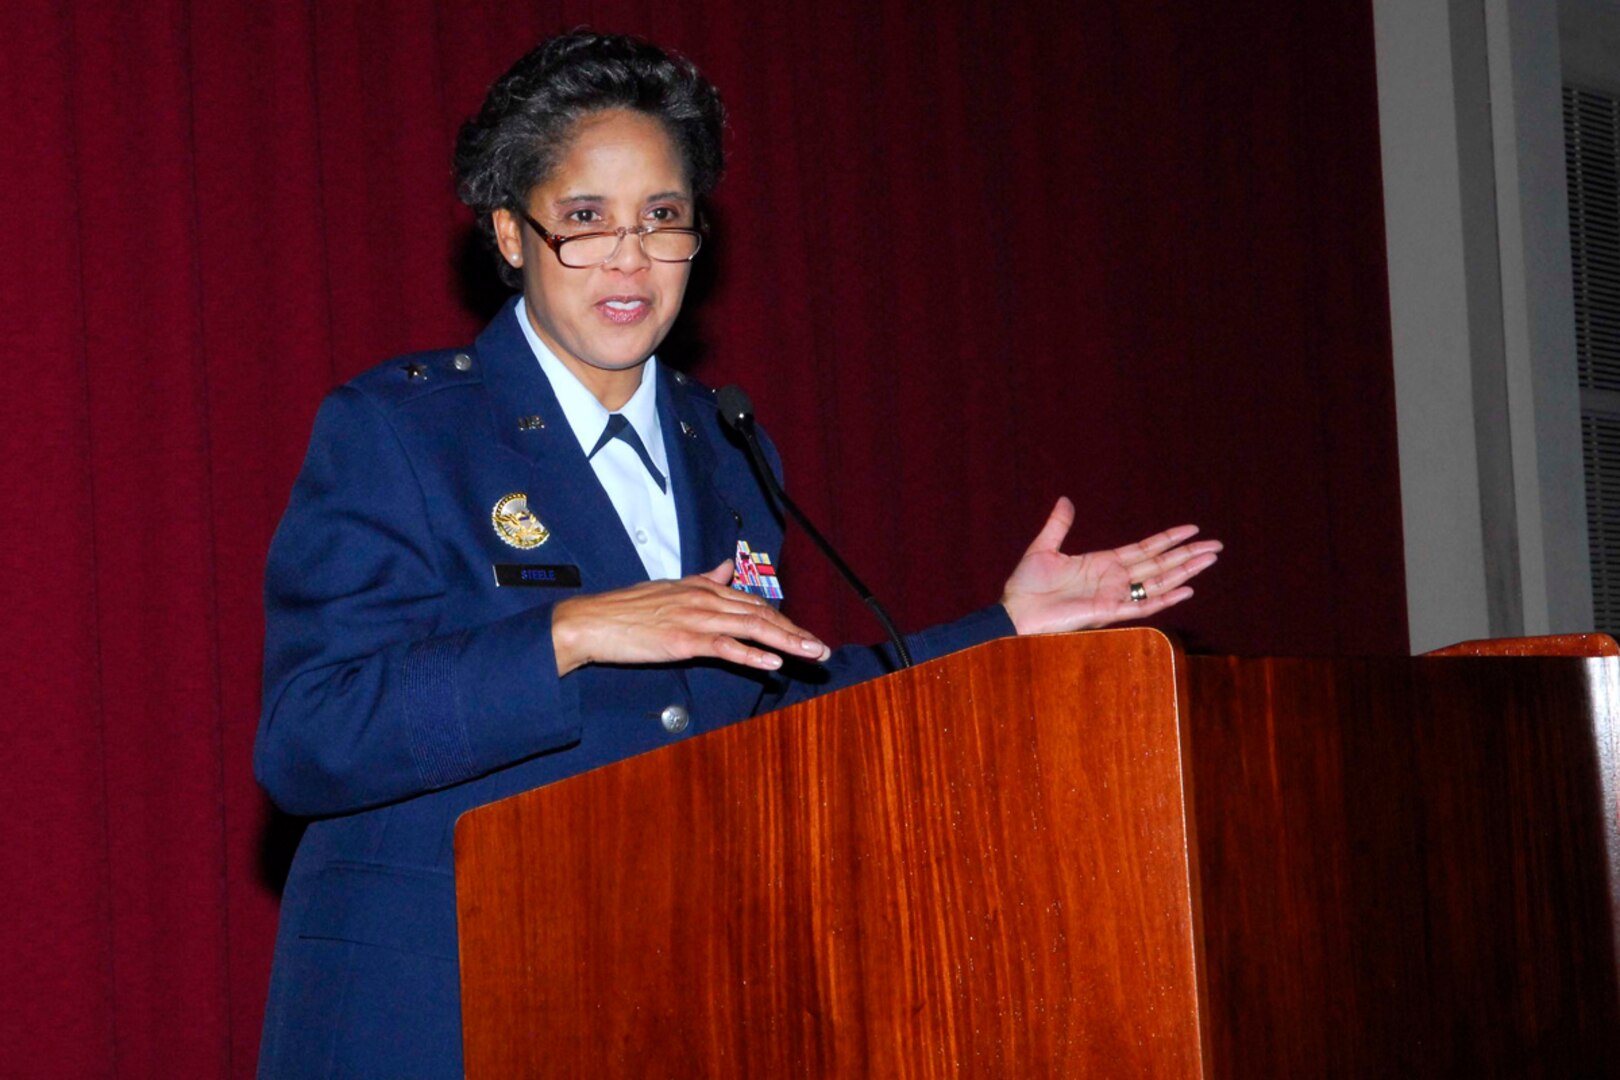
x=505 y=564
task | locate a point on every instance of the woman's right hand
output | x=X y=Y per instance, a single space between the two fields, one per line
x=661 y=621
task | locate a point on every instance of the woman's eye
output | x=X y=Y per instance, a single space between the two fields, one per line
x=582 y=216
x=664 y=215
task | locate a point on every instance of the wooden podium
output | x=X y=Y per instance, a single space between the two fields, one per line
x=1078 y=855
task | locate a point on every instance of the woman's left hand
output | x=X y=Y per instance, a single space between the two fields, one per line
x=1051 y=591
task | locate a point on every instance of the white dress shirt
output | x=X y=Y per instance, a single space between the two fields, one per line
x=647 y=513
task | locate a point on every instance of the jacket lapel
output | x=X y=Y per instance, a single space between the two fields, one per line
x=563 y=490
x=709 y=529
x=707 y=525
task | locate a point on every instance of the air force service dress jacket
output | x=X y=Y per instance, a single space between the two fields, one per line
x=403 y=686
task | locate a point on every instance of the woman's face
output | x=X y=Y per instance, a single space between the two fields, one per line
x=621 y=169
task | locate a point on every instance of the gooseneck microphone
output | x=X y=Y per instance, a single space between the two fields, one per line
x=738 y=413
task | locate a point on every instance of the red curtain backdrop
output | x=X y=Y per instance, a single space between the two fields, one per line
x=969 y=256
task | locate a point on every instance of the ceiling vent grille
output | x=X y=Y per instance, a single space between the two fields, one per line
x=1592 y=165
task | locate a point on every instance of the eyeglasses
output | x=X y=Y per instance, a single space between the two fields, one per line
x=582 y=251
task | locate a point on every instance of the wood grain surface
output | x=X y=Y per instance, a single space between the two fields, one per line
x=1546 y=645
x=896 y=881
x=1085 y=855
x=1408 y=867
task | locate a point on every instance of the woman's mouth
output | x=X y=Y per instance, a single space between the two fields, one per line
x=624 y=309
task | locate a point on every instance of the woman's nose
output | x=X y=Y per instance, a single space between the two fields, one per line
x=629 y=256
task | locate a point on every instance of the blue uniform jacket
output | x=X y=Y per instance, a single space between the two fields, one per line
x=403 y=686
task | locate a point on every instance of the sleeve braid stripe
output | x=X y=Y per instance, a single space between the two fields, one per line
x=438 y=737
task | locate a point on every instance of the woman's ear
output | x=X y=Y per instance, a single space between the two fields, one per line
x=508 y=235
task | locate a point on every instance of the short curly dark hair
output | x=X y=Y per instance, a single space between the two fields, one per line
x=529 y=114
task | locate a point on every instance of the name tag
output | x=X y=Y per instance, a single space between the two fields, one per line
x=530 y=576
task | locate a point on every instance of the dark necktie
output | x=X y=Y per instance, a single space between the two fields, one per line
x=619 y=428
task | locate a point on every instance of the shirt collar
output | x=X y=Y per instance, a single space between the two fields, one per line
x=586 y=416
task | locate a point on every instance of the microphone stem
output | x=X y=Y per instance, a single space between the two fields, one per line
x=889 y=628
x=839 y=564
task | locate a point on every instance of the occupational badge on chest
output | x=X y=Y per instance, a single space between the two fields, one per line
x=755 y=574
x=516 y=525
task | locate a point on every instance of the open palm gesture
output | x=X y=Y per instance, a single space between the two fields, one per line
x=1050 y=591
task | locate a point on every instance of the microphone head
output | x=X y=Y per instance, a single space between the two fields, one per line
x=735 y=408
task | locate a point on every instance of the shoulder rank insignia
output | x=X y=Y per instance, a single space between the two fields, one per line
x=755 y=574
x=516 y=525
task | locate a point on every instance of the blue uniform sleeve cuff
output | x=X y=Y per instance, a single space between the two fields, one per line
x=512 y=701
x=983 y=625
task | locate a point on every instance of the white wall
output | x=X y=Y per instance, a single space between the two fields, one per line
x=1488 y=410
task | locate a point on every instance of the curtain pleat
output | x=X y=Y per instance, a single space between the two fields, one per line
x=966 y=258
